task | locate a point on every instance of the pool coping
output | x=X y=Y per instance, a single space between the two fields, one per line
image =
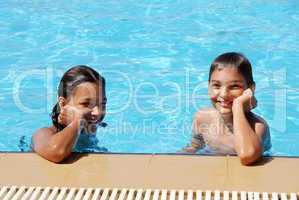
x=156 y=171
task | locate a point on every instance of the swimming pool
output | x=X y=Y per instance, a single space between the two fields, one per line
x=155 y=56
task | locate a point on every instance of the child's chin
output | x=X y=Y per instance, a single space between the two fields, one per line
x=90 y=129
x=225 y=111
x=93 y=129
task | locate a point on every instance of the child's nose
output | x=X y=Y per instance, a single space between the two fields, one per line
x=95 y=111
x=223 y=92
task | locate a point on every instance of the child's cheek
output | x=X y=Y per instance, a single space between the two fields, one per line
x=236 y=94
x=213 y=97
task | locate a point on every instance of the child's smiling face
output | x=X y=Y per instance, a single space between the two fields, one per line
x=226 y=84
x=89 y=99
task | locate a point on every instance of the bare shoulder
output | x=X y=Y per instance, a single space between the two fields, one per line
x=42 y=134
x=204 y=115
x=202 y=119
x=46 y=130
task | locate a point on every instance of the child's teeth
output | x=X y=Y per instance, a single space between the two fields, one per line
x=224 y=103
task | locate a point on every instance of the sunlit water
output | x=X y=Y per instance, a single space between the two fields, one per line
x=155 y=56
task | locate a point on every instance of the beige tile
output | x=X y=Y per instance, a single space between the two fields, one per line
x=151 y=171
x=119 y=171
x=87 y=171
x=269 y=175
x=29 y=169
x=187 y=172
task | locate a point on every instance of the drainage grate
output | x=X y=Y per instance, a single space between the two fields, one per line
x=55 y=193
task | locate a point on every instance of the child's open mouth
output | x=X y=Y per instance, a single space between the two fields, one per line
x=93 y=122
x=225 y=104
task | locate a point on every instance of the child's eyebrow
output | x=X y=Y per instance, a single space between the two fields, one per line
x=230 y=82
x=237 y=81
x=85 y=99
x=104 y=100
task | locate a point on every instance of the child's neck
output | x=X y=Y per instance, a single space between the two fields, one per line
x=226 y=122
x=227 y=119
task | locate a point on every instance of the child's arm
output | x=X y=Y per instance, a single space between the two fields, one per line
x=248 y=138
x=197 y=141
x=56 y=146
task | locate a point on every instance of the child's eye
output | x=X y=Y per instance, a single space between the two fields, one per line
x=85 y=104
x=216 y=85
x=235 y=86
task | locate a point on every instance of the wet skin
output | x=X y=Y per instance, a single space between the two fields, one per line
x=229 y=127
x=86 y=104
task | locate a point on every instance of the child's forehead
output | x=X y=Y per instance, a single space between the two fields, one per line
x=227 y=69
x=87 y=89
x=227 y=74
x=221 y=67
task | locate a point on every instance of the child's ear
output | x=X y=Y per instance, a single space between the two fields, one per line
x=61 y=102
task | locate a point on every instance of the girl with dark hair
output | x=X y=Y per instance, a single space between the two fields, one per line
x=80 y=109
x=230 y=127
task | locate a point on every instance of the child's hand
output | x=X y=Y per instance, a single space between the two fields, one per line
x=246 y=101
x=188 y=150
x=69 y=114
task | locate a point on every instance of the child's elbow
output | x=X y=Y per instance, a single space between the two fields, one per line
x=52 y=154
x=249 y=157
x=57 y=156
x=246 y=160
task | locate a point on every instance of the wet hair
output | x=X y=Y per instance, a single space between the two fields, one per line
x=236 y=60
x=69 y=81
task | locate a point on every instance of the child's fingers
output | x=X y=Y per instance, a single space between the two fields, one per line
x=60 y=119
x=63 y=111
x=63 y=118
x=248 y=92
x=68 y=114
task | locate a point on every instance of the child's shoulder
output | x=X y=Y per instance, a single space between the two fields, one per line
x=45 y=131
x=205 y=115
x=42 y=135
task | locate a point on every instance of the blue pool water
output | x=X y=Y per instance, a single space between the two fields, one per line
x=155 y=56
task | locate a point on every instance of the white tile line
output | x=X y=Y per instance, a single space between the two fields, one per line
x=56 y=193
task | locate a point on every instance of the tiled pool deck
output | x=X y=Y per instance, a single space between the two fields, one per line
x=151 y=171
